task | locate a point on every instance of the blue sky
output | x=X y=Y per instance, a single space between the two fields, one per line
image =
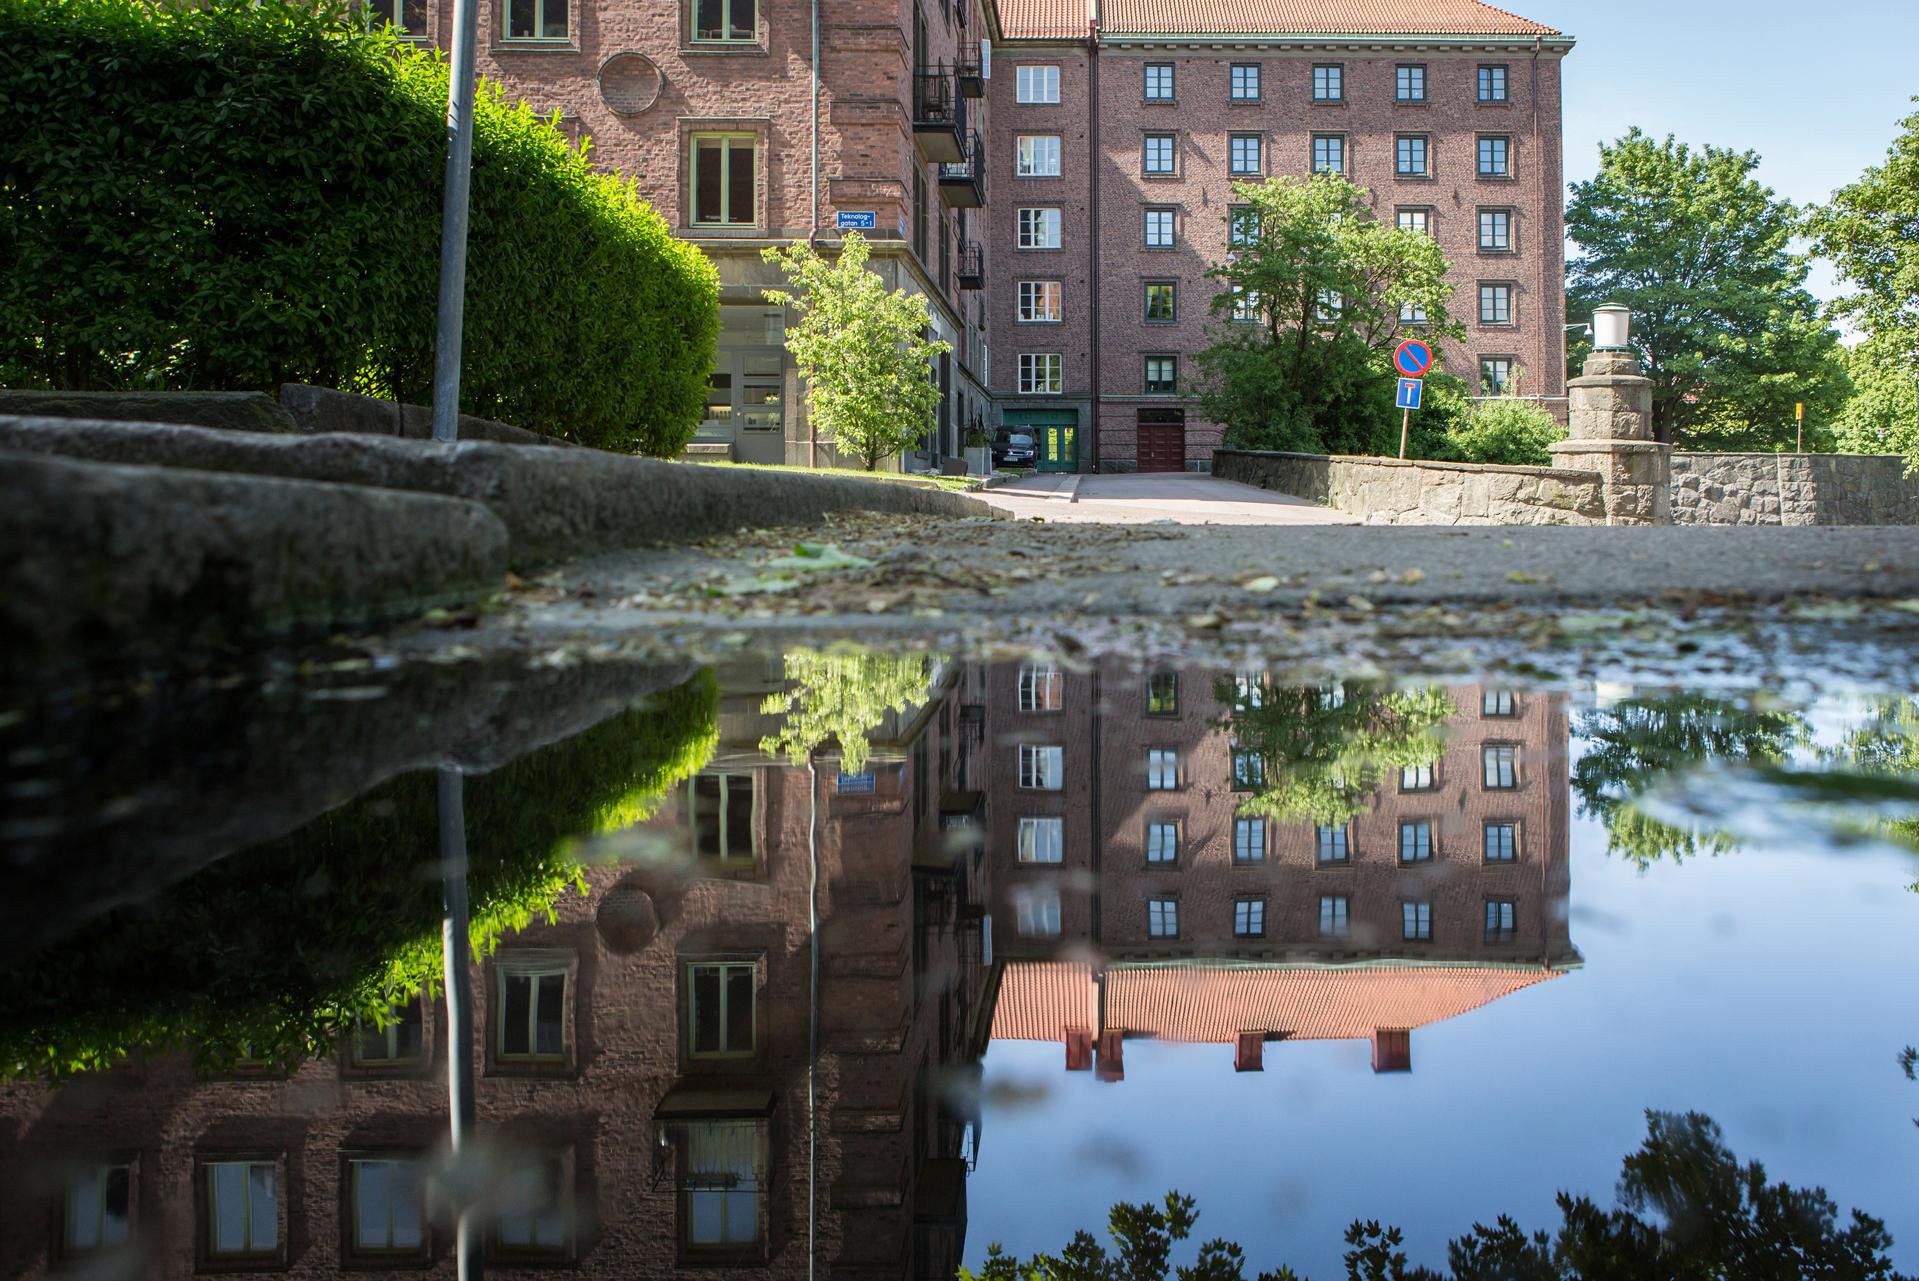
x=1815 y=89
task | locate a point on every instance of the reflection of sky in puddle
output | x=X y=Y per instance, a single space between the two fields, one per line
x=1771 y=991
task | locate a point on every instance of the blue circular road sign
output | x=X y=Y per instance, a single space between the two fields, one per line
x=1412 y=358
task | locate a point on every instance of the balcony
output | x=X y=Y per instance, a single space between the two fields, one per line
x=971 y=71
x=963 y=182
x=939 y=115
x=972 y=275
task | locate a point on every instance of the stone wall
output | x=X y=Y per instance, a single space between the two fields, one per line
x=1793 y=489
x=1392 y=491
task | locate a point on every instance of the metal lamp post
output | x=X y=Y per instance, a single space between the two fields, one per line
x=459 y=174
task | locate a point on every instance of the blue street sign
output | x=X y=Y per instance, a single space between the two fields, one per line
x=1409 y=393
x=855 y=785
x=1412 y=358
x=858 y=220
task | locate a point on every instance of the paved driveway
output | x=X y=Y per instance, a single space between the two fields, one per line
x=1184 y=498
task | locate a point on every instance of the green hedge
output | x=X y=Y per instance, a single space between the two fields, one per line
x=232 y=196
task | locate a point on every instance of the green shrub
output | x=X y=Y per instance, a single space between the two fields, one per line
x=281 y=948
x=233 y=196
x=1508 y=431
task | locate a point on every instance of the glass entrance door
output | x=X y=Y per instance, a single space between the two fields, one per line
x=758 y=409
x=1058 y=451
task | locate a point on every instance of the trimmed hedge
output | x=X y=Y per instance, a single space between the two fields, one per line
x=232 y=196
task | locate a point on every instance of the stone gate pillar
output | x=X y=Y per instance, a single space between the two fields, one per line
x=1609 y=425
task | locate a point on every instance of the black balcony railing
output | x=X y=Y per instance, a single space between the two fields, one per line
x=939 y=114
x=963 y=181
x=972 y=275
x=971 y=70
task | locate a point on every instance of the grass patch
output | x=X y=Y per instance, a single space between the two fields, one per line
x=952 y=484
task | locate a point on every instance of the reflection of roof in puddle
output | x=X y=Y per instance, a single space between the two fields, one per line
x=1039 y=1000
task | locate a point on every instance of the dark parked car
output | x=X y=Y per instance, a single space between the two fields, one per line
x=1015 y=449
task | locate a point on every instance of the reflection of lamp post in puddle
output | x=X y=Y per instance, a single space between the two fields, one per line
x=456 y=949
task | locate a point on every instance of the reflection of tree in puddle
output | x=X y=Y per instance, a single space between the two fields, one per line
x=841 y=698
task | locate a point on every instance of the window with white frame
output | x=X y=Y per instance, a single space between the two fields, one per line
x=243 y=1209
x=1037 y=155
x=1420 y=220
x=1162 y=769
x=1158 y=85
x=1162 y=842
x=1329 y=82
x=1035 y=84
x=397 y=1039
x=1495 y=304
x=1036 y=911
x=1039 y=373
x=389 y=1203
x=1409 y=82
x=720 y=816
x=1334 y=916
x=1409 y=155
x=731 y=21
x=1162 y=918
x=1495 y=156
x=1249 y=840
x=1245 y=82
x=532 y=1019
x=1244 y=153
x=1492 y=82
x=721 y=1017
x=1042 y=839
x=1041 y=688
x=1501 y=766
x=535 y=19
x=725 y=178
x=99 y=1207
x=1502 y=842
x=1502 y=920
x=1040 y=768
x=1416 y=778
x=1333 y=845
x=1249 y=769
x=1157 y=153
x=1159 y=224
x=1416 y=841
x=1039 y=302
x=1416 y=922
x=1249 y=918
x=1162 y=374
x=1497 y=701
x=1495 y=375
x=723 y=1184
x=1039 y=228
x=1496 y=230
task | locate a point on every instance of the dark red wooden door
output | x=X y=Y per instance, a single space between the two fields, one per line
x=1162 y=440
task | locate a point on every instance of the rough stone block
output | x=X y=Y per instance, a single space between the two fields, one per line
x=224 y=410
x=314 y=410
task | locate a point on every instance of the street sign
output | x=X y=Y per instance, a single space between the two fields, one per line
x=1412 y=358
x=858 y=220
x=1409 y=394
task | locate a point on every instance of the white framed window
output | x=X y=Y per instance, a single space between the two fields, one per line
x=1245 y=82
x=1329 y=153
x=1162 y=769
x=1249 y=918
x=1162 y=842
x=1497 y=702
x=1041 y=688
x=1039 y=373
x=1416 y=778
x=1039 y=228
x=534 y=19
x=389 y=1203
x=1244 y=153
x=1035 y=84
x=1036 y=911
x=721 y=1014
x=1040 y=768
x=727 y=21
x=1416 y=922
x=532 y=1018
x=1495 y=304
x=1495 y=156
x=99 y=1208
x=1162 y=918
x=1501 y=766
x=1249 y=840
x=1409 y=155
x=1329 y=82
x=1501 y=842
x=1042 y=839
x=1496 y=230
x=1037 y=155
x=243 y=1209
x=1159 y=226
x=1158 y=153
x=1420 y=220
x=725 y=170
x=1039 y=302
x=720 y=816
x=723 y=1184
x=400 y=1039
x=1416 y=841
x=1502 y=924
x=1492 y=82
x=1333 y=845
x=1409 y=82
x=1334 y=916
x=1158 y=86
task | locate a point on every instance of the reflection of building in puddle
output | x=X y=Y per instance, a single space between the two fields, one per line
x=642 y=1060
x=1204 y=859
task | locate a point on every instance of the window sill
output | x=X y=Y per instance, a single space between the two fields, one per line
x=1415 y=177
x=526 y=44
x=742 y=49
x=1159 y=177
x=1329 y=102
x=1416 y=104
x=1042 y=177
x=1498 y=177
x=1252 y=174
x=1497 y=253
x=1245 y=102
x=1501 y=104
x=1159 y=102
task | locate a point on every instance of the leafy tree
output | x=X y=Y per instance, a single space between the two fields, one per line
x=1319 y=283
x=1506 y=430
x=841 y=699
x=1687 y=1209
x=1871 y=232
x=863 y=351
x=1323 y=750
x=1722 y=322
x=1636 y=742
x=1882 y=416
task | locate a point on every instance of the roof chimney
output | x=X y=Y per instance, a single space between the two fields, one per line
x=1079 y=1049
x=1249 y=1052
x=1112 y=1062
x=1392 y=1049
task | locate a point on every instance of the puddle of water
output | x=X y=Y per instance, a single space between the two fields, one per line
x=953 y=951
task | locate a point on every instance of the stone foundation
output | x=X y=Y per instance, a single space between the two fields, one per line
x=1392 y=491
x=1793 y=489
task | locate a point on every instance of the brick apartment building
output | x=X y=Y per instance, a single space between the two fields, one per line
x=1120 y=126
x=641 y=1063
x=1117 y=829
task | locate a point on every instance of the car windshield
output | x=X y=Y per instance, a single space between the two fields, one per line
x=1020 y=442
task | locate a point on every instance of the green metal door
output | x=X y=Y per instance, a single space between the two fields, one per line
x=1054 y=431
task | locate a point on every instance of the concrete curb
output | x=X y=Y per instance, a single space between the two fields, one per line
x=1071 y=488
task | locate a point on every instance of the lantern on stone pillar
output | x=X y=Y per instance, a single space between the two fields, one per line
x=1612 y=325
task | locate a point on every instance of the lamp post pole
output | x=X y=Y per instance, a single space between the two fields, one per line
x=459 y=175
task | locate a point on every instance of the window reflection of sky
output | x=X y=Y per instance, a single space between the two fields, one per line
x=1770 y=990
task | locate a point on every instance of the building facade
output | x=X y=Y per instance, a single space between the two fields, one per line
x=1121 y=126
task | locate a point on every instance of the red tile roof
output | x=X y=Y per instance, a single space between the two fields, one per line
x=1214 y=1003
x=1059 y=19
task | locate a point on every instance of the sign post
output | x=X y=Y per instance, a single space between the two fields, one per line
x=1412 y=358
x=1799 y=415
